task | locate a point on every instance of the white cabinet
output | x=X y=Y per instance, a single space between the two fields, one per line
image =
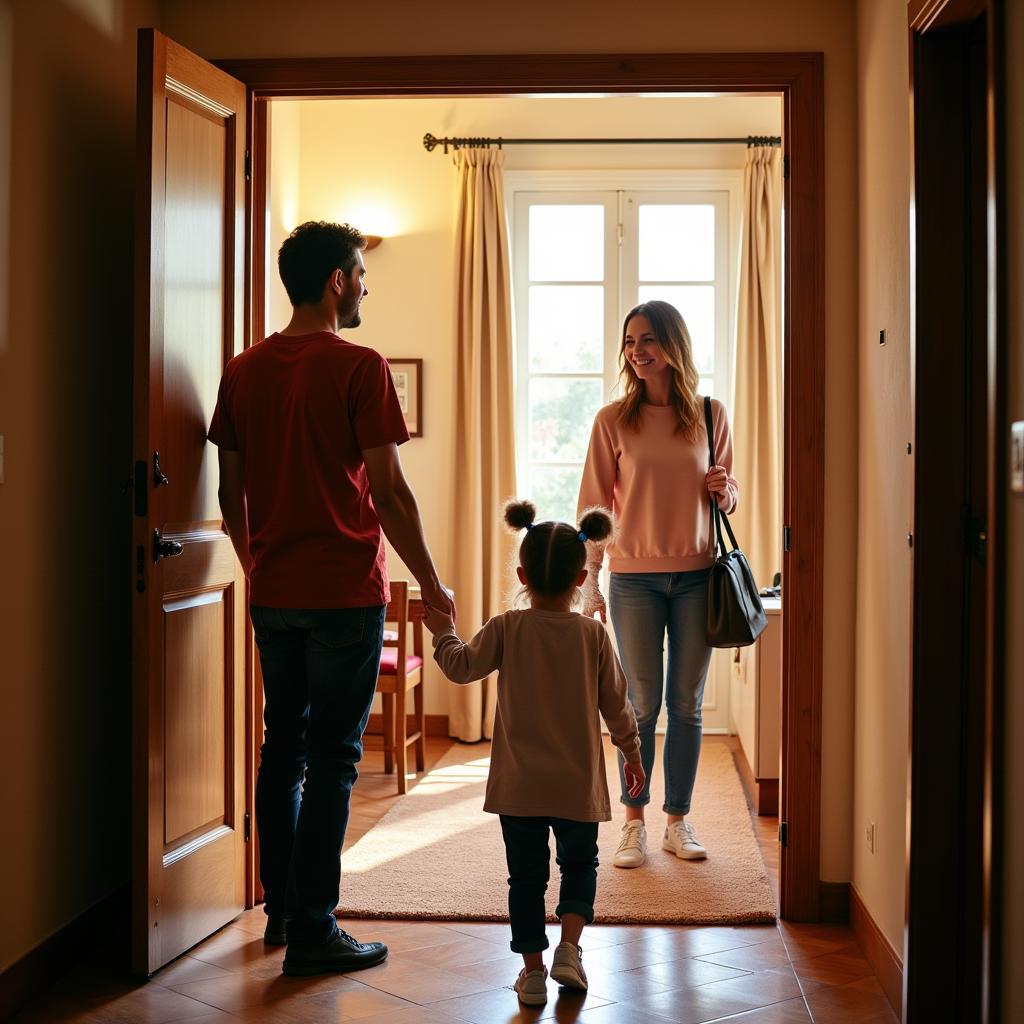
x=755 y=710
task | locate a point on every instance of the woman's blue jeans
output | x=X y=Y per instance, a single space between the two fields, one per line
x=644 y=606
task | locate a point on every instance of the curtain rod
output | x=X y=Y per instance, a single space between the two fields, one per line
x=430 y=142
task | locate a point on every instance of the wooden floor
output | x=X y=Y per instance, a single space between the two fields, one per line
x=452 y=973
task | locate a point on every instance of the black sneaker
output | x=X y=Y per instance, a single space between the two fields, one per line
x=339 y=953
x=276 y=932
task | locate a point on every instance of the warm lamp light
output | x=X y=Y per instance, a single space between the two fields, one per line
x=372 y=241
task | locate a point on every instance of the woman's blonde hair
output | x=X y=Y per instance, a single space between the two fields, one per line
x=673 y=337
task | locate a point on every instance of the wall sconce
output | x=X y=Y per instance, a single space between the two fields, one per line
x=372 y=241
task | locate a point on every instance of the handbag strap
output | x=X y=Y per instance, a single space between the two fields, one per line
x=718 y=518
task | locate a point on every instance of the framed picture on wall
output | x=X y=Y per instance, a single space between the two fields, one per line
x=408 y=377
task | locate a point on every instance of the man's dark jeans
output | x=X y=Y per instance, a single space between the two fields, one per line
x=319 y=676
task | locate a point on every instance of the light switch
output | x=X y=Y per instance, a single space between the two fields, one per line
x=1017 y=457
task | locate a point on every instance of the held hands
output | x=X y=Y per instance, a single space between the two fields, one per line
x=439 y=607
x=717 y=482
x=635 y=778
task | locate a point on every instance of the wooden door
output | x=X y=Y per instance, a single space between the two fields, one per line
x=190 y=819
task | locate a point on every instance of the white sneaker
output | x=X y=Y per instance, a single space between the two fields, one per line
x=632 y=851
x=532 y=987
x=567 y=968
x=681 y=840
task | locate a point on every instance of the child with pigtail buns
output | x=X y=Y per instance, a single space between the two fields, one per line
x=558 y=676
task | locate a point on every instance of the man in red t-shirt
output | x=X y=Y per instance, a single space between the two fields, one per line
x=308 y=428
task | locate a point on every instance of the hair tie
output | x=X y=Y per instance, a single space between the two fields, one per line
x=582 y=536
x=529 y=526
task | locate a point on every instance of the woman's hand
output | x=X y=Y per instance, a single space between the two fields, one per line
x=635 y=778
x=717 y=482
x=593 y=599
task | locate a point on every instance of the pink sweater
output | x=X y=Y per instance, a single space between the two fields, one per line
x=558 y=676
x=653 y=480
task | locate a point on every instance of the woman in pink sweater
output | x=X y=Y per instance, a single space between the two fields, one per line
x=557 y=678
x=648 y=462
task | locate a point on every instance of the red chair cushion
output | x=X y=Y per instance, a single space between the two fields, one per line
x=389 y=662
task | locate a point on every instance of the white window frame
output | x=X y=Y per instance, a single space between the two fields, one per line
x=724 y=188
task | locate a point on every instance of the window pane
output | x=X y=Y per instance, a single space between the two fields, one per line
x=555 y=490
x=566 y=243
x=677 y=243
x=566 y=328
x=697 y=304
x=561 y=415
x=707 y=387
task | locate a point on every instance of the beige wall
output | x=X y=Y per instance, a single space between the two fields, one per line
x=392 y=186
x=265 y=28
x=1013 y=853
x=68 y=154
x=882 y=679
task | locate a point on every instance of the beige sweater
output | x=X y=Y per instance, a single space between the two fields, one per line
x=653 y=480
x=558 y=675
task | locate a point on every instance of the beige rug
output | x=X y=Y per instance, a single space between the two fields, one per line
x=436 y=856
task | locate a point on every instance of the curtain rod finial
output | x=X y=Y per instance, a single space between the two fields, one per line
x=429 y=142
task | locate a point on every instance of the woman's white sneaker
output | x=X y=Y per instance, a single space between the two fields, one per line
x=632 y=851
x=532 y=987
x=681 y=840
x=567 y=968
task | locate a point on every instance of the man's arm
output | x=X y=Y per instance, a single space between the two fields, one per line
x=231 y=493
x=400 y=519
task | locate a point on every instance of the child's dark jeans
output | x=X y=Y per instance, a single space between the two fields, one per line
x=528 y=856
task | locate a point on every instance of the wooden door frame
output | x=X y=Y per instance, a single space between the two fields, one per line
x=931 y=951
x=799 y=78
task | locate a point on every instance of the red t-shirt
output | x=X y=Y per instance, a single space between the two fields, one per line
x=301 y=410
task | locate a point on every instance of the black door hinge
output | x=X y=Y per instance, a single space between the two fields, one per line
x=785 y=165
x=248 y=166
x=248 y=826
x=787 y=537
x=784 y=833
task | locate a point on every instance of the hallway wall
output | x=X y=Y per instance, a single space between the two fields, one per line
x=67 y=156
x=882 y=679
x=308 y=28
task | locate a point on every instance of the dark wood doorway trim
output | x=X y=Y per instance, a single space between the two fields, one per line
x=799 y=78
x=959 y=352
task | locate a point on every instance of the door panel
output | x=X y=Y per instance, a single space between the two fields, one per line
x=189 y=607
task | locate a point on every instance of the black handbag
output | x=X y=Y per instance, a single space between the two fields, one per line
x=735 y=614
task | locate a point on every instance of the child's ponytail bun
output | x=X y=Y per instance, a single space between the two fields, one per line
x=597 y=523
x=519 y=514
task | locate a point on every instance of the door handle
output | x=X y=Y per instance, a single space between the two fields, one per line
x=165 y=548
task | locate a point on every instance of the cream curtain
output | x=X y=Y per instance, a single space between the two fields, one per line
x=757 y=411
x=484 y=467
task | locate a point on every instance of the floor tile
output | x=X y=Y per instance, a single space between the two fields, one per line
x=354 y=1003
x=834 y=968
x=239 y=991
x=851 y=1004
x=420 y=983
x=462 y=951
x=687 y=973
x=793 y=1011
x=721 y=998
x=759 y=957
x=503 y=1005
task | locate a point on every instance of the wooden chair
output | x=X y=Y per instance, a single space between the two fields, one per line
x=399 y=673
